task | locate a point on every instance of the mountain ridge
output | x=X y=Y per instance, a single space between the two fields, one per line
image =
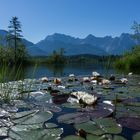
x=74 y=46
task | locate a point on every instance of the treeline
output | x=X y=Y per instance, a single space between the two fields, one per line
x=59 y=59
x=87 y=58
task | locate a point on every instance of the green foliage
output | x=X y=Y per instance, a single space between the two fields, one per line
x=130 y=61
x=57 y=57
x=14 y=52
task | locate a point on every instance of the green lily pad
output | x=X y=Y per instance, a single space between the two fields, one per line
x=72 y=137
x=94 y=137
x=73 y=118
x=35 y=118
x=23 y=114
x=89 y=127
x=136 y=136
x=50 y=125
x=109 y=125
x=118 y=138
x=130 y=122
x=69 y=105
x=100 y=126
x=42 y=134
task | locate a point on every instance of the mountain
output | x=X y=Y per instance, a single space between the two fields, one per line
x=89 y=45
x=71 y=45
x=75 y=46
x=3 y=35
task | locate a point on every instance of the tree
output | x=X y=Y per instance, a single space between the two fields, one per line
x=15 y=34
x=136 y=28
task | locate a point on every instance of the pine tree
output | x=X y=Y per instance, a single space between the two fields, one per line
x=14 y=34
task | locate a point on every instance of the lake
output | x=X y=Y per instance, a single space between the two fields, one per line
x=37 y=71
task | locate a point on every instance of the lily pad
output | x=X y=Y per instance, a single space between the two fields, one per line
x=71 y=118
x=84 y=115
x=73 y=137
x=35 y=118
x=22 y=114
x=3 y=131
x=69 y=105
x=130 y=122
x=136 y=136
x=89 y=127
x=118 y=138
x=42 y=134
x=108 y=125
x=60 y=99
x=100 y=126
x=94 y=137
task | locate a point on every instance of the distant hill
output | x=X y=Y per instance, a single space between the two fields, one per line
x=3 y=35
x=89 y=45
x=76 y=46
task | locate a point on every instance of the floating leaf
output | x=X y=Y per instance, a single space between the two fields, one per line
x=69 y=105
x=3 y=131
x=50 y=125
x=34 y=118
x=108 y=125
x=73 y=118
x=100 y=126
x=94 y=137
x=136 y=136
x=72 y=137
x=130 y=122
x=89 y=127
x=22 y=114
x=42 y=134
x=60 y=99
x=118 y=138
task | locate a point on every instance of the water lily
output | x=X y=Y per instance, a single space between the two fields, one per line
x=95 y=74
x=105 y=81
x=124 y=80
x=71 y=75
x=57 y=80
x=85 y=97
x=44 y=79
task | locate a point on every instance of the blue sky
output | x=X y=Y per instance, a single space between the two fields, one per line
x=73 y=17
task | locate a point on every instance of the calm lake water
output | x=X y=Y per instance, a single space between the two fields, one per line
x=77 y=69
x=38 y=71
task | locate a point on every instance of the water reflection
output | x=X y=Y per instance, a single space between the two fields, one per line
x=37 y=71
x=65 y=70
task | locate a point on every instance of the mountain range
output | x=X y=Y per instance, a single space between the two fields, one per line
x=75 y=46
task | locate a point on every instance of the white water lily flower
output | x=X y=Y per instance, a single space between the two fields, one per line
x=86 y=79
x=57 y=80
x=71 y=75
x=72 y=100
x=94 y=82
x=108 y=102
x=124 y=80
x=85 y=97
x=95 y=74
x=105 y=81
x=61 y=87
x=130 y=73
x=89 y=99
x=44 y=79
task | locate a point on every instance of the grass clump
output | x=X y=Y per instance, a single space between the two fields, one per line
x=130 y=61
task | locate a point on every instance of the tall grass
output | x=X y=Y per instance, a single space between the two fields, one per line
x=130 y=61
x=9 y=84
